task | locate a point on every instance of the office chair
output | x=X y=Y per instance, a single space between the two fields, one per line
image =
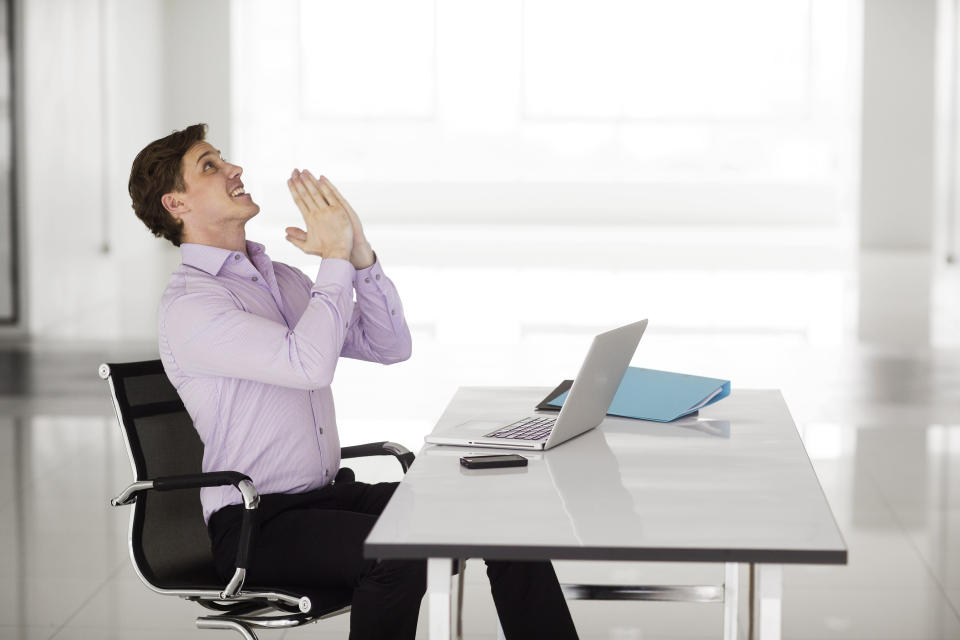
x=169 y=545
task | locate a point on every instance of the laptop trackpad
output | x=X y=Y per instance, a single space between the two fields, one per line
x=477 y=427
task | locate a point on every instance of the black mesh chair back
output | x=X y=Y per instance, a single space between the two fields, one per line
x=170 y=543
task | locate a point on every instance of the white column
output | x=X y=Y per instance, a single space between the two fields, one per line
x=198 y=74
x=897 y=171
x=439 y=580
x=731 y=599
x=768 y=601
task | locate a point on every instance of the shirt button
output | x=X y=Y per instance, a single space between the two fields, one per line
x=346 y=325
x=254 y=278
x=377 y=276
x=236 y=256
x=321 y=429
x=366 y=280
x=393 y=312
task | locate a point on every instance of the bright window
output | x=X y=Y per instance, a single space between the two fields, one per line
x=553 y=112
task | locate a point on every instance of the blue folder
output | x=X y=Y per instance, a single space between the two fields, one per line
x=662 y=396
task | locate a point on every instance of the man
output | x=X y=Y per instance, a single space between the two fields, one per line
x=252 y=345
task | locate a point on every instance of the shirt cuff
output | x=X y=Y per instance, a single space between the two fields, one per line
x=371 y=276
x=334 y=270
x=376 y=260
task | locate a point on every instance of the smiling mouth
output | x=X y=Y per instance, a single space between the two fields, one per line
x=238 y=192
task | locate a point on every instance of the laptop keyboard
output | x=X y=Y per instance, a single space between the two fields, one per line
x=532 y=428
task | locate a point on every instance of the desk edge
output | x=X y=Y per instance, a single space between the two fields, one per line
x=494 y=552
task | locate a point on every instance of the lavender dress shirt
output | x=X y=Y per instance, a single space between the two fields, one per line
x=251 y=347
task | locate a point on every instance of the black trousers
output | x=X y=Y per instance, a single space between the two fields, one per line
x=315 y=539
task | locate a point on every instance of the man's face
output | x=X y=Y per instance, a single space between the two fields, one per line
x=214 y=192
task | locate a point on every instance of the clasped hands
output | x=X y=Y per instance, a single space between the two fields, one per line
x=333 y=227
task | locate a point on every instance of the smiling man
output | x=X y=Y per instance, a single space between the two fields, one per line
x=251 y=346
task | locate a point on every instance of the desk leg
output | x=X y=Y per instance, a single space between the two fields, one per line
x=768 y=596
x=461 y=573
x=439 y=579
x=731 y=599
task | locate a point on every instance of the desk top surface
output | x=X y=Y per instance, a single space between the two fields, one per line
x=733 y=484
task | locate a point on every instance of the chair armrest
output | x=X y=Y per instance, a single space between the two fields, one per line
x=401 y=453
x=251 y=500
x=190 y=481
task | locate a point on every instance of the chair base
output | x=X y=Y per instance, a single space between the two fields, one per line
x=213 y=622
x=244 y=625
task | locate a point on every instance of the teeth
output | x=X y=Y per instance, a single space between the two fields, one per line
x=237 y=192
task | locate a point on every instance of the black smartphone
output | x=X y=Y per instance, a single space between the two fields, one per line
x=493 y=462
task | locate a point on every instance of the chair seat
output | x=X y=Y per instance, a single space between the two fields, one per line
x=200 y=576
x=322 y=601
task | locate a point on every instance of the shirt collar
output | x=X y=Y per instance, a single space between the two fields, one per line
x=211 y=259
x=254 y=248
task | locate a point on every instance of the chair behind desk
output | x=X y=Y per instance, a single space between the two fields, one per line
x=169 y=545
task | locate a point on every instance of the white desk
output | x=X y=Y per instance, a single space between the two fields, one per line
x=733 y=485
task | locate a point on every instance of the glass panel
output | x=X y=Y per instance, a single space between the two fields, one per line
x=8 y=270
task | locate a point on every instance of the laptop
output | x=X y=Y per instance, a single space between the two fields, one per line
x=584 y=408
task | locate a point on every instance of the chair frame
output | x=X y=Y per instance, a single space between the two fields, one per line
x=237 y=609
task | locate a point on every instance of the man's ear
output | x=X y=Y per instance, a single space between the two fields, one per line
x=173 y=202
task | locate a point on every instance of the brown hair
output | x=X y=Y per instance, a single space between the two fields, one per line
x=156 y=171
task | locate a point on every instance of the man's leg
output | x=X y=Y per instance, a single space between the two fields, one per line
x=316 y=543
x=392 y=584
x=529 y=600
x=527 y=595
x=386 y=601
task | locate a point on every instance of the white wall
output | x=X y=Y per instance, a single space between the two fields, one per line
x=102 y=79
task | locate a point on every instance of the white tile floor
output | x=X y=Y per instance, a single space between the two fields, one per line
x=882 y=428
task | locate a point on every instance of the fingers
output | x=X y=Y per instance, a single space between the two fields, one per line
x=325 y=188
x=296 y=233
x=343 y=201
x=306 y=182
x=336 y=192
x=303 y=195
x=298 y=194
x=320 y=189
x=324 y=181
x=318 y=197
x=297 y=237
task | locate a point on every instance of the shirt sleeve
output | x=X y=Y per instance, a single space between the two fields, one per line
x=210 y=334
x=378 y=331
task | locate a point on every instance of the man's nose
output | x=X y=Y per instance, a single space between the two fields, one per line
x=236 y=171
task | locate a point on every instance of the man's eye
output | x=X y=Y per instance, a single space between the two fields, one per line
x=208 y=164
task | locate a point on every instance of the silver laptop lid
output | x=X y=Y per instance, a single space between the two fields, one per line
x=597 y=382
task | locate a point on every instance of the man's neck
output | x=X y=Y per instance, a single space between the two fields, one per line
x=231 y=240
